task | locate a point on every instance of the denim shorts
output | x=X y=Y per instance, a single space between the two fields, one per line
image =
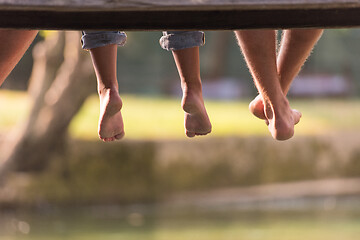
x=95 y=39
x=171 y=40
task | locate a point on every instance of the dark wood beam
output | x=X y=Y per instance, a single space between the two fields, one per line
x=176 y=14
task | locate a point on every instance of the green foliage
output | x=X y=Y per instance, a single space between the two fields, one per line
x=337 y=53
x=96 y=173
x=164 y=161
x=146 y=171
x=145 y=68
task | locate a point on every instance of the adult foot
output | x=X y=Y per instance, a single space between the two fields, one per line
x=111 y=126
x=256 y=107
x=281 y=119
x=197 y=121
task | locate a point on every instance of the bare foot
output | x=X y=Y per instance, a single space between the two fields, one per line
x=196 y=119
x=256 y=107
x=111 y=126
x=281 y=119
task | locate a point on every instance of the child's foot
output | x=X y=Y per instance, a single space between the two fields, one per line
x=111 y=126
x=196 y=119
x=281 y=119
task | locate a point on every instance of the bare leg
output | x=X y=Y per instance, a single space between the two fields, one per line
x=196 y=119
x=296 y=46
x=259 y=48
x=14 y=44
x=111 y=126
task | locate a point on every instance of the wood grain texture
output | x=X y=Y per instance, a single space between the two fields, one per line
x=178 y=14
x=157 y=5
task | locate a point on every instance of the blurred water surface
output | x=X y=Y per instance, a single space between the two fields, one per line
x=132 y=223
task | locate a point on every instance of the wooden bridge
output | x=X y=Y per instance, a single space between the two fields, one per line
x=178 y=14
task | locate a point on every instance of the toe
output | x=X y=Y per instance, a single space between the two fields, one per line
x=202 y=133
x=190 y=134
x=297 y=115
x=119 y=136
x=256 y=107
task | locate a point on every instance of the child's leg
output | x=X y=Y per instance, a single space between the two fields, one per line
x=185 y=49
x=14 y=44
x=111 y=125
x=296 y=46
x=196 y=119
x=103 y=50
x=259 y=49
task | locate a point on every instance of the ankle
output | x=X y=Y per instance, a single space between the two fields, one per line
x=280 y=100
x=276 y=106
x=112 y=89
x=191 y=94
x=191 y=85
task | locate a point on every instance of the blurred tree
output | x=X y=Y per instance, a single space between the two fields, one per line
x=219 y=55
x=62 y=78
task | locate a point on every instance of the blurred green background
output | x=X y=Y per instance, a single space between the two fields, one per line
x=236 y=183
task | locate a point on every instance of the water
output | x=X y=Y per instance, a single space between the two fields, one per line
x=110 y=223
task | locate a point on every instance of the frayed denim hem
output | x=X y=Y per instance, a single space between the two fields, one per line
x=177 y=40
x=95 y=39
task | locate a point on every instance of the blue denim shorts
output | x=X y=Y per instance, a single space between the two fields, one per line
x=176 y=40
x=171 y=40
x=95 y=39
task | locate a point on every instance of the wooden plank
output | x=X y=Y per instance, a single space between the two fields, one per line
x=163 y=5
x=178 y=14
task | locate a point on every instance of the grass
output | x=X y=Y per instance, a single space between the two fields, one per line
x=14 y=107
x=146 y=117
x=160 y=117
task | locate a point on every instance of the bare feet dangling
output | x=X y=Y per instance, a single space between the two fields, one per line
x=281 y=119
x=196 y=119
x=111 y=126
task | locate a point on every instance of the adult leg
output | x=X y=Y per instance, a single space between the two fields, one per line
x=259 y=49
x=196 y=119
x=295 y=48
x=296 y=45
x=14 y=44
